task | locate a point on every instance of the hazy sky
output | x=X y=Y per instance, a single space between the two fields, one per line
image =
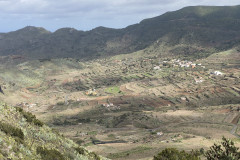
x=88 y=14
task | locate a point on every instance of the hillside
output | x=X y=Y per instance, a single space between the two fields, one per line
x=199 y=30
x=22 y=136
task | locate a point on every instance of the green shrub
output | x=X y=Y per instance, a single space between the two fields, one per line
x=174 y=154
x=112 y=136
x=30 y=117
x=3 y=154
x=51 y=154
x=60 y=103
x=80 y=150
x=12 y=131
x=37 y=122
x=227 y=151
x=79 y=141
x=94 y=156
x=18 y=109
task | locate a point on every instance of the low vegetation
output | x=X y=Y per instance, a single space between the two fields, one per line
x=12 y=131
x=51 y=154
x=225 y=151
x=125 y=154
x=174 y=154
x=30 y=117
x=22 y=136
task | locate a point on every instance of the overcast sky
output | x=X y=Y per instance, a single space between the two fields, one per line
x=88 y=14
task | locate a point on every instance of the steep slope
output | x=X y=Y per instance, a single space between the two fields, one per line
x=202 y=26
x=22 y=136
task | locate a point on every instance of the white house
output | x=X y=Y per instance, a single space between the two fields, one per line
x=156 y=68
x=217 y=73
x=159 y=133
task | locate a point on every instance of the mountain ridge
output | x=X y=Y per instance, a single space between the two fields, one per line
x=205 y=26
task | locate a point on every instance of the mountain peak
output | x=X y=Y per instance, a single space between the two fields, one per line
x=33 y=29
x=66 y=30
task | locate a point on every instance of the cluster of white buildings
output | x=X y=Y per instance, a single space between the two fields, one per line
x=185 y=63
x=179 y=63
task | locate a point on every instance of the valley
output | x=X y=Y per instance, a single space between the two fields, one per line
x=131 y=106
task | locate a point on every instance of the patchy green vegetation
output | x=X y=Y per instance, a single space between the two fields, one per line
x=51 y=154
x=113 y=90
x=125 y=154
x=226 y=150
x=12 y=131
x=35 y=141
x=30 y=117
x=139 y=100
x=174 y=154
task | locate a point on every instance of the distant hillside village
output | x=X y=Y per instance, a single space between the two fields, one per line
x=149 y=64
x=178 y=63
x=184 y=64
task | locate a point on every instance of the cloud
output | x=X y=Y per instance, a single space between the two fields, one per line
x=89 y=13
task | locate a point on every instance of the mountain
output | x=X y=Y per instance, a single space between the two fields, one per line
x=197 y=29
x=22 y=136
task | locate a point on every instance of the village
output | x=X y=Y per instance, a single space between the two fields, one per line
x=136 y=70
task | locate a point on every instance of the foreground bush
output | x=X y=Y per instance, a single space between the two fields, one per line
x=12 y=131
x=51 y=154
x=226 y=151
x=174 y=154
x=30 y=117
x=80 y=150
x=35 y=142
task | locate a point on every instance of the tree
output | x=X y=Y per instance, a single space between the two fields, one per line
x=225 y=151
x=174 y=154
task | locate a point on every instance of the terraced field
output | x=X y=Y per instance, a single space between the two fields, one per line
x=123 y=108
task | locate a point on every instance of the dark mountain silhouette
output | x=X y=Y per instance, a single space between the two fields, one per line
x=202 y=26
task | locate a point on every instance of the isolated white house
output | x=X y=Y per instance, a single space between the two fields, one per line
x=217 y=73
x=159 y=133
x=156 y=68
